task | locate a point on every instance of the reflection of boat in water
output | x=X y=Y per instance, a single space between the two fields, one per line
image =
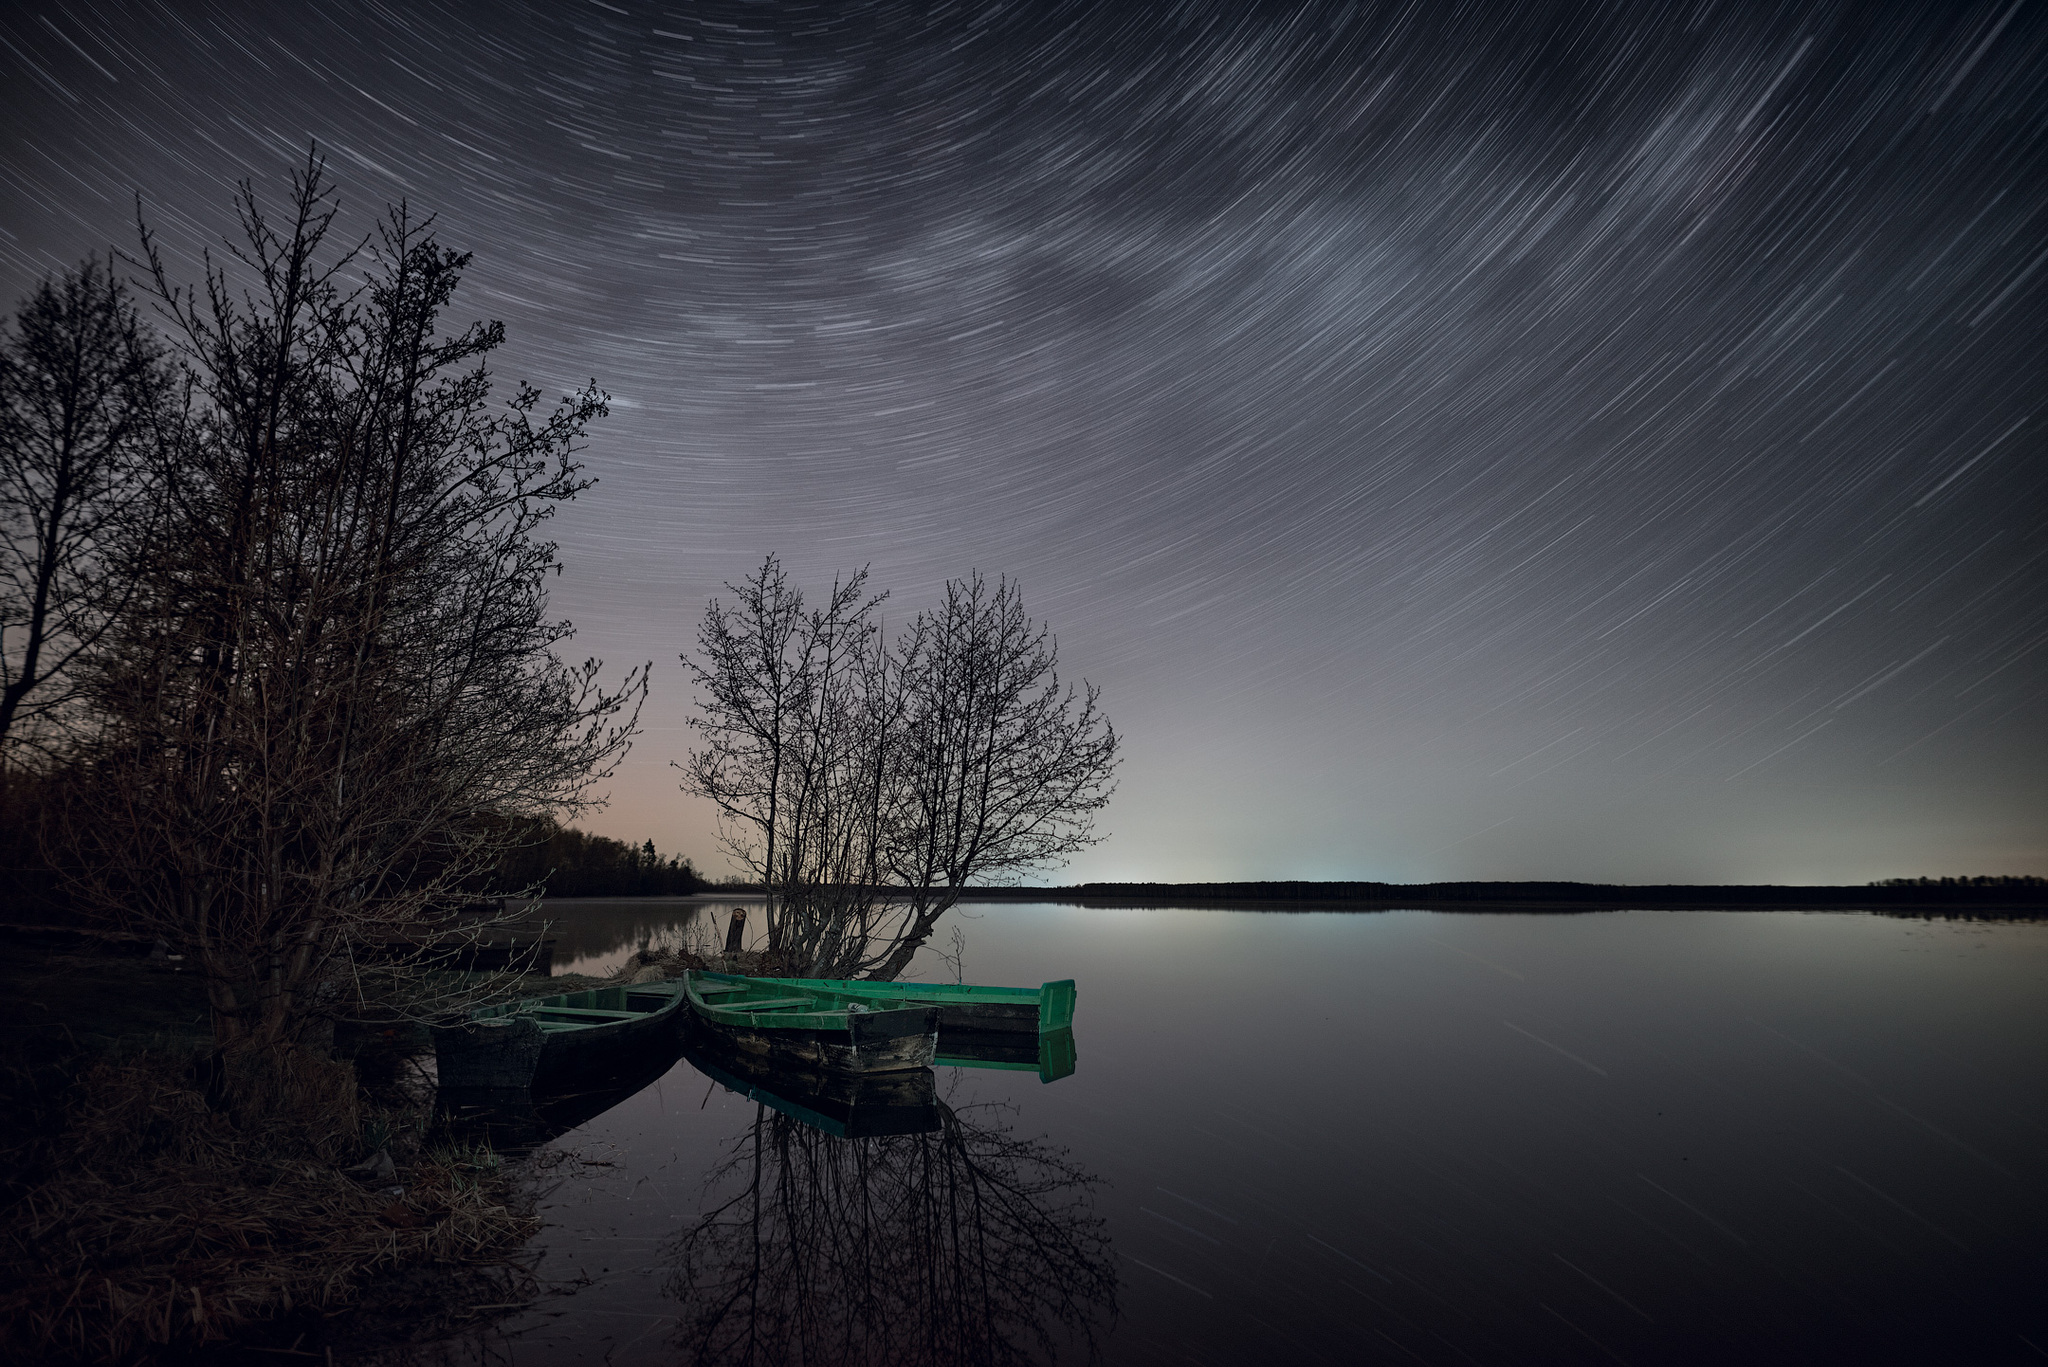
x=812 y=1027
x=858 y=1106
x=1050 y=1055
x=512 y=1119
x=847 y=1106
x=542 y=1042
x=962 y=1006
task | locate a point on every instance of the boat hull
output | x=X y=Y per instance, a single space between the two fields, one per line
x=492 y=1054
x=517 y=1119
x=829 y=1037
x=510 y=1046
x=911 y=1040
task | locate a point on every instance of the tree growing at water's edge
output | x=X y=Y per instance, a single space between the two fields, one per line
x=333 y=701
x=281 y=688
x=868 y=781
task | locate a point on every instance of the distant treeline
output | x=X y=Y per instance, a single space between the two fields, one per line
x=2025 y=880
x=566 y=862
x=1983 y=891
x=559 y=861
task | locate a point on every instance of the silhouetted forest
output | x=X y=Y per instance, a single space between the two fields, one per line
x=566 y=862
x=548 y=859
x=2025 y=891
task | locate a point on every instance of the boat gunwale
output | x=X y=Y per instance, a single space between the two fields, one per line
x=957 y=991
x=1052 y=1001
x=624 y=1019
x=833 y=1020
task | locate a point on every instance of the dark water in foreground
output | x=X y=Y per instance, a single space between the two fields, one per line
x=1639 y=1137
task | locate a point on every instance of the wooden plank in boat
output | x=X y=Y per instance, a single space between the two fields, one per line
x=587 y=1013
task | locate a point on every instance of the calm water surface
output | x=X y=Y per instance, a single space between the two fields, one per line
x=1640 y=1137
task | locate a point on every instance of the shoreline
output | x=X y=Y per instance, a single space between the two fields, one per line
x=2002 y=901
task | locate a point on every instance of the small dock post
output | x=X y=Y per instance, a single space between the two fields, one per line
x=736 y=932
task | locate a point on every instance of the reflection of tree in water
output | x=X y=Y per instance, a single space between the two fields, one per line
x=965 y=1245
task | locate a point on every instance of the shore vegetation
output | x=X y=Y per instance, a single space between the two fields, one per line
x=283 y=698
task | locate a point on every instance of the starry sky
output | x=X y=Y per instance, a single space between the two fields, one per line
x=1463 y=441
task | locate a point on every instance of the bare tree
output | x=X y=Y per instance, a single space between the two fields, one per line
x=79 y=384
x=1004 y=770
x=869 y=783
x=758 y=671
x=839 y=778
x=336 y=699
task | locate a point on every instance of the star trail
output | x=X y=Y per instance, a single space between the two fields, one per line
x=1483 y=441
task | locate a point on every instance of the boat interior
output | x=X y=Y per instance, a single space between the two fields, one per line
x=598 y=1006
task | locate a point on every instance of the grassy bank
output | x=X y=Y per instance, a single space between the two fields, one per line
x=151 y=1208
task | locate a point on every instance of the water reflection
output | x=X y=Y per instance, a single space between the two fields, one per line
x=846 y=1107
x=960 y=1244
x=515 y=1120
x=854 y=1107
x=594 y=937
x=1665 y=1138
x=1051 y=1055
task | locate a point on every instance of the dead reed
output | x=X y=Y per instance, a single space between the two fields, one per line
x=157 y=1210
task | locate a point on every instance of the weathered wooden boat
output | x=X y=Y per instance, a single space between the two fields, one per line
x=1051 y=1055
x=962 y=1006
x=537 y=1041
x=844 y=1105
x=517 y=1119
x=812 y=1026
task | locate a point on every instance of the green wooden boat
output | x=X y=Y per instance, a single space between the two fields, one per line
x=540 y=1041
x=962 y=1006
x=812 y=1026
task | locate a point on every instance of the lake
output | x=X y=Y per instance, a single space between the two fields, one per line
x=1637 y=1137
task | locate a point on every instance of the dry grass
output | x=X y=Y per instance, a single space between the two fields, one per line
x=144 y=1221
x=659 y=962
x=672 y=961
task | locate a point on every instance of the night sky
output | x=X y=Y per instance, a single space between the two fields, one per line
x=1476 y=441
